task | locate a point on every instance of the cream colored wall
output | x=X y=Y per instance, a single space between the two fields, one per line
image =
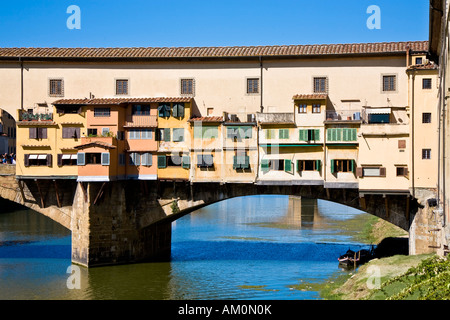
x=425 y=134
x=218 y=85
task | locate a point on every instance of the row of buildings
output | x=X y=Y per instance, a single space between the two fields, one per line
x=342 y=116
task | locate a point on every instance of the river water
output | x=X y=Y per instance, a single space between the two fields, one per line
x=258 y=247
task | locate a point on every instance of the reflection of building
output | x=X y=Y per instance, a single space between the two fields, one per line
x=7 y=133
x=302 y=212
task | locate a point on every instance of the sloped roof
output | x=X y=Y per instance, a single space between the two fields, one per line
x=117 y=101
x=213 y=52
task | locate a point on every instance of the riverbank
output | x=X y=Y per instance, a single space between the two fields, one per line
x=394 y=276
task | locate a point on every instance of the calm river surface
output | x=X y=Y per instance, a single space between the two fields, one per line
x=258 y=247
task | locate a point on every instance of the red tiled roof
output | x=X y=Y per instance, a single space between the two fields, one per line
x=318 y=96
x=117 y=101
x=426 y=66
x=95 y=144
x=206 y=119
x=214 y=52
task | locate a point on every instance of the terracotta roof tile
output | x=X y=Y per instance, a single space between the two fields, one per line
x=426 y=66
x=318 y=96
x=116 y=101
x=217 y=52
x=206 y=119
x=95 y=144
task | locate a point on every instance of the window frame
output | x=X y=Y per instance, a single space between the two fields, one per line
x=426 y=117
x=116 y=87
x=101 y=112
x=427 y=83
x=385 y=89
x=250 y=86
x=318 y=87
x=50 y=87
x=426 y=154
x=189 y=89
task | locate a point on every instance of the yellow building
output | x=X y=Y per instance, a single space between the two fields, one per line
x=174 y=139
x=46 y=142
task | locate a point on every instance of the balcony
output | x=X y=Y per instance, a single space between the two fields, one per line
x=275 y=118
x=343 y=115
x=141 y=121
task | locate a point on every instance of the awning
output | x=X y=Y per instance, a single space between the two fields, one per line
x=42 y=156
x=33 y=156
x=74 y=156
x=66 y=156
x=378 y=111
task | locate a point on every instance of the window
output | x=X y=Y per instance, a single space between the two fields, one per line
x=68 y=110
x=67 y=160
x=426 y=83
x=140 y=110
x=38 y=160
x=174 y=161
x=93 y=158
x=178 y=134
x=426 y=154
x=419 y=60
x=205 y=161
x=122 y=87
x=342 y=166
x=134 y=134
x=253 y=85
x=238 y=133
x=241 y=161
x=203 y=132
x=270 y=133
x=187 y=86
x=308 y=165
x=105 y=132
x=342 y=134
x=37 y=133
x=209 y=111
x=371 y=172
x=302 y=108
x=164 y=110
x=135 y=159
x=283 y=133
x=389 y=83
x=56 y=87
x=426 y=117
x=178 y=110
x=70 y=132
x=102 y=112
x=92 y=132
x=316 y=108
x=402 y=171
x=309 y=134
x=146 y=159
x=163 y=134
x=320 y=84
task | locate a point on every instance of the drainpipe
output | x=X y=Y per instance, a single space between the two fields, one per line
x=412 y=133
x=21 y=83
x=261 y=77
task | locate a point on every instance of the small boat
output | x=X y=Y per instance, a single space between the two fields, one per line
x=354 y=258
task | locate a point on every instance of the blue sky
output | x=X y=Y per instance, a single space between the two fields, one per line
x=173 y=23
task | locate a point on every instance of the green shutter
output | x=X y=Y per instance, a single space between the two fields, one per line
x=332 y=166
x=162 y=163
x=246 y=163
x=317 y=134
x=167 y=134
x=318 y=165
x=236 y=165
x=181 y=110
x=353 y=135
x=283 y=133
x=329 y=135
x=247 y=132
x=269 y=134
x=338 y=134
x=345 y=134
x=287 y=165
x=186 y=162
x=303 y=135
x=265 y=165
x=352 y=166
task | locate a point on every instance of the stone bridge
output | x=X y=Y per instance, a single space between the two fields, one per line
x=130 y=221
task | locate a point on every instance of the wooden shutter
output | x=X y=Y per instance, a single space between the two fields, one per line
x=317 y=134
x=299 y=165
x=32 y=133
x=26 y=160
x=105 y=158
x=303 y=135
x=236 y=164
x=287 y=165
x=175 y=110
x=185 y=162
x=167 y=134
x=59 y=160
x=162 y=162
x=338 y=134
x=181 y=110
x=333 y=166
x=265 y=165
x=359 y=172
x=49 y=160
x=382 y=172
x=81 y=159
x=318 y=165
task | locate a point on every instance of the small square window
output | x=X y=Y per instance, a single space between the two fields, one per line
x=187 y=86
x=316 y=108
x=320 y=84
x=426 y=83
x=389 y=83
x=419 y=60
x=402 y=171
x=56 y=87
x=426 y=154
x=102 y=112
x=426 y=117
x=252 y=85
x=122 y=87
x=302 y=108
